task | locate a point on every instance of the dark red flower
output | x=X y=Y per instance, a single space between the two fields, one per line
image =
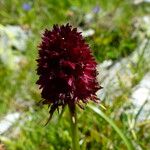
x=66 y=68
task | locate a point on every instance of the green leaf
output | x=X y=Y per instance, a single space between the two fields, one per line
x=111 y=123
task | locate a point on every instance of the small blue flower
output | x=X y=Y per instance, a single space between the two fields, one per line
x=96 y=9
x=26 y=6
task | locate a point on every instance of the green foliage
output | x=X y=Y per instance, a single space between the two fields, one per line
x=113 y=39
x=113 y=25
x=113 y=43
x=35 y=135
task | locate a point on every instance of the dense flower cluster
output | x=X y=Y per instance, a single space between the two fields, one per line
x=66 y=68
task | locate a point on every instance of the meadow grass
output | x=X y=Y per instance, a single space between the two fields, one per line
x=112 y=40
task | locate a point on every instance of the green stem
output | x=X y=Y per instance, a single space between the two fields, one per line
x=74 y=130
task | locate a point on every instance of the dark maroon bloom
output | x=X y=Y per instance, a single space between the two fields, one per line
x=66 y=68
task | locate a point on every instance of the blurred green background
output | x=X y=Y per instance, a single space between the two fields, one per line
x=111 y=28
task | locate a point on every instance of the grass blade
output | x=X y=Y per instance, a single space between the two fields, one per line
x=119 y=132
